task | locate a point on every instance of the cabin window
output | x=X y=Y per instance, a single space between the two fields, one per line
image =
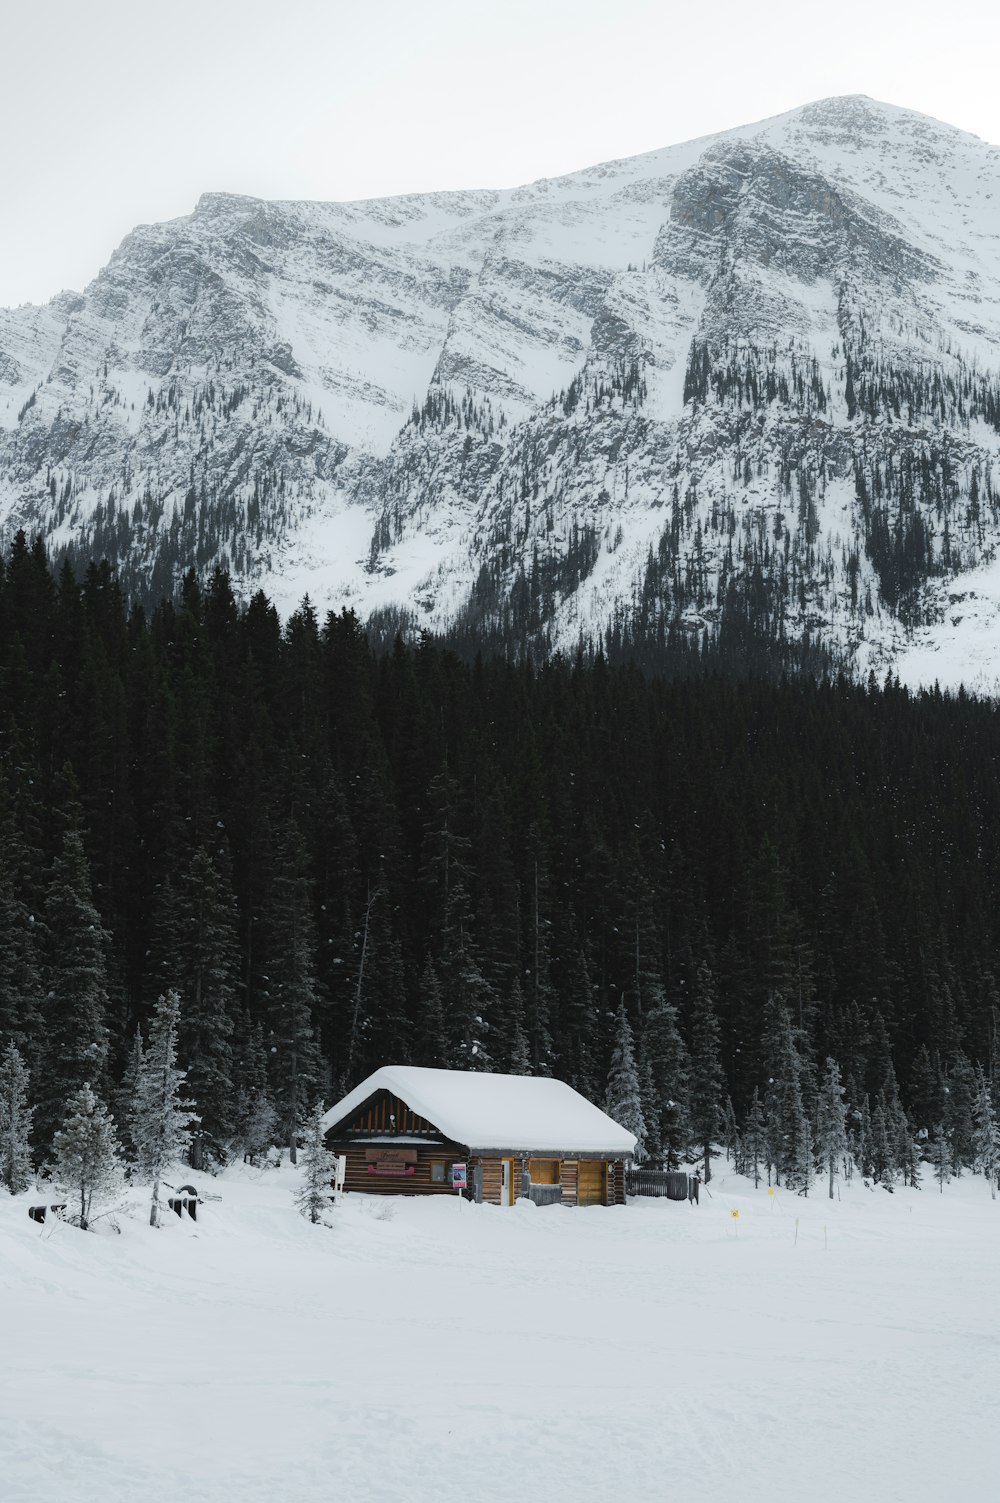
x=438 y=1176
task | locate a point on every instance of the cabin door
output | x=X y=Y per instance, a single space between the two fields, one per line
x=505 y=1179
x=593 y=1183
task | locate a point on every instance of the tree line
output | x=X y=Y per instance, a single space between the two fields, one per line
x=337 y=858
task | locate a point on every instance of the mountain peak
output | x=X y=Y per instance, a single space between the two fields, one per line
x=746 y=384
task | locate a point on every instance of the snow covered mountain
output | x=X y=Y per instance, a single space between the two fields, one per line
x=751 y=379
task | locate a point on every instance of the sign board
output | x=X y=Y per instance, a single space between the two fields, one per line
x=459 y=1179
x=393 y=1161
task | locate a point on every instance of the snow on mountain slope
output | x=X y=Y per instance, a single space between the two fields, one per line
x=752 y=380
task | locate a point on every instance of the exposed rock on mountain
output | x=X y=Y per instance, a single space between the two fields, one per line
x=751 y=381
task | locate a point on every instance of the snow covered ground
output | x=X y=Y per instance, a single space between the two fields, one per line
x=440 y=1352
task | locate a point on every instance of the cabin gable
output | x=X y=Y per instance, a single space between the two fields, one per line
x=387 y=1115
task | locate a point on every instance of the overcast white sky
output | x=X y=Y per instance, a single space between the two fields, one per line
x=118 y=112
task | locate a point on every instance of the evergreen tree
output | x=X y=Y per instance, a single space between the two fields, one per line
x=706 y=1086
x=731 y=1143
x=516 y=1046
x=653 y=1146
x=831 y=1124
x=789 y=1137
x=754 y=1138
x=161 y=1120
x=941 y=1156
x=255 y=1121
x=624 y=1098
x=960 y=1095
x=431 y=1041
x=318 y=1165
x=908 y=1154
x=883 y=1159
x=577 y=1032
x=986 y=1133
x=77 y=1037
x=292 y=989
x=125 y=1095
x=21 y=992
x=926 y=1091
x=85 y=1159
x=197 y=954
x=384 y=1032
x=15 y=1122
x=665 y=1055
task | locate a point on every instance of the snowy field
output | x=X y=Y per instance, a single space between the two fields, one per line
x=440 y=1352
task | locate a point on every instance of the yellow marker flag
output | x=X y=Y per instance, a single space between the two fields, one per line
x=735 y=1215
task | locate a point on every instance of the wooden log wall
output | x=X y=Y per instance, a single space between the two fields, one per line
x=492 y=1180
x=616 y=1183
x=359 y=1179
x=569 y=1178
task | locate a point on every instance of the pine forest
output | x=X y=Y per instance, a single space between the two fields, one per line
x=746 y=912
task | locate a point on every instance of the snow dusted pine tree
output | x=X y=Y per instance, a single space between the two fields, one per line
x=318 y=1164
x=941 y=1156
x=624 y=1098
x=665 y=1056
x=85 y=1156
x=15 y=1122
x=161 y=1121
x=256 y=1121
x=77 y=1038
x=754 y=1138
x=706 y=1086
x=123 y=1103
x=831 y=1122
x=788 y=1134
x=986 y=1133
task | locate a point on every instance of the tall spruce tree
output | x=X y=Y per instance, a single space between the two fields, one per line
x=161 y=1119
x=197 y=954
x=986 y=1133
x=292 y=989
x=665 y=1055
x=941 y=1156
x=831 y=1123
x=21 y=992
x=15 y=1121
x=788 y=1133
x=77 y=1036
x=255 y=1121
x=706 y=1083
x=754 y=1138
x=623 y=1102
x=431 y=1046
x=123 y=1104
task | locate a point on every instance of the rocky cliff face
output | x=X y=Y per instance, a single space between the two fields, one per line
x=753 y=379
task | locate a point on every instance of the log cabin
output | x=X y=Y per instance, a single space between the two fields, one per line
x=407 y=1130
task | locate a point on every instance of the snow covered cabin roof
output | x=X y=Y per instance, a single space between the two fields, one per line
x=522 y=1113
